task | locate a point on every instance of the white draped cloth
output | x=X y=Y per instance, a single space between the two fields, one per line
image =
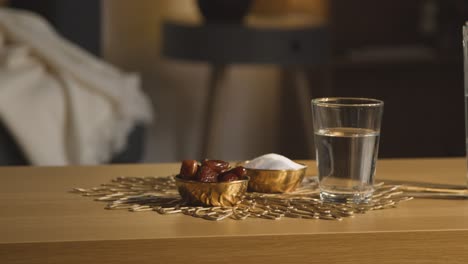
x=61 y=104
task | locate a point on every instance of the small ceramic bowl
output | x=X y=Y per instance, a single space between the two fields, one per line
x=224 y=194
x=275 y=181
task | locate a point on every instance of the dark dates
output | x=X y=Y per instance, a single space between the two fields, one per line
x=239 y=171
x=227 y=177
x=210 y=171
x=207 y=174
x=219 y=166
x=189 y=169
x=233 y=174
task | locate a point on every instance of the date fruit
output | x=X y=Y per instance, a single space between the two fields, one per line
x=227 y=177
x=219 y=166
x=239 y=171
x=207 y=174
x=210 y=171
x=189 y=169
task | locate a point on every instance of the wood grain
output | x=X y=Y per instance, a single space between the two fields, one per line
x=40 y=222
x=391 y=247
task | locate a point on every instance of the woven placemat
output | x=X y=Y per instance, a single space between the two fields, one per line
x=159 y=194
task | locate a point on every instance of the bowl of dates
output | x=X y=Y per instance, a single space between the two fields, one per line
x=211 y=183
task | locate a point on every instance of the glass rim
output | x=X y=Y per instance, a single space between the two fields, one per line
x=351 y=102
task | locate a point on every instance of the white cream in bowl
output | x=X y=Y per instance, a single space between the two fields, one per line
x=273 y=161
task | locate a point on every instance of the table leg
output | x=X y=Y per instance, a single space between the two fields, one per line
x=303 y=98
x=214 y=84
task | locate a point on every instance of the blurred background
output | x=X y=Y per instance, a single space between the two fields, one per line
x=407 y=53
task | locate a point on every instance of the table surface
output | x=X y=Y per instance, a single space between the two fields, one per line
x=41 y=222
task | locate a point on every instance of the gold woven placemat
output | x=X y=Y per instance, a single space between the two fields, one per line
x=159 y=194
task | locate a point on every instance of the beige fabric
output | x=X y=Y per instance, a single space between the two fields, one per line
x=63 y=105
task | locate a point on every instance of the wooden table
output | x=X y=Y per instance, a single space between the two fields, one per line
x=40 y=222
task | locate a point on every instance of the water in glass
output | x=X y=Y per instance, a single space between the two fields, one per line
x=346 y=160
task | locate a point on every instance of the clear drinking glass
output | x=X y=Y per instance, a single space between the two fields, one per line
x=465 y=56
x=346 y=133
